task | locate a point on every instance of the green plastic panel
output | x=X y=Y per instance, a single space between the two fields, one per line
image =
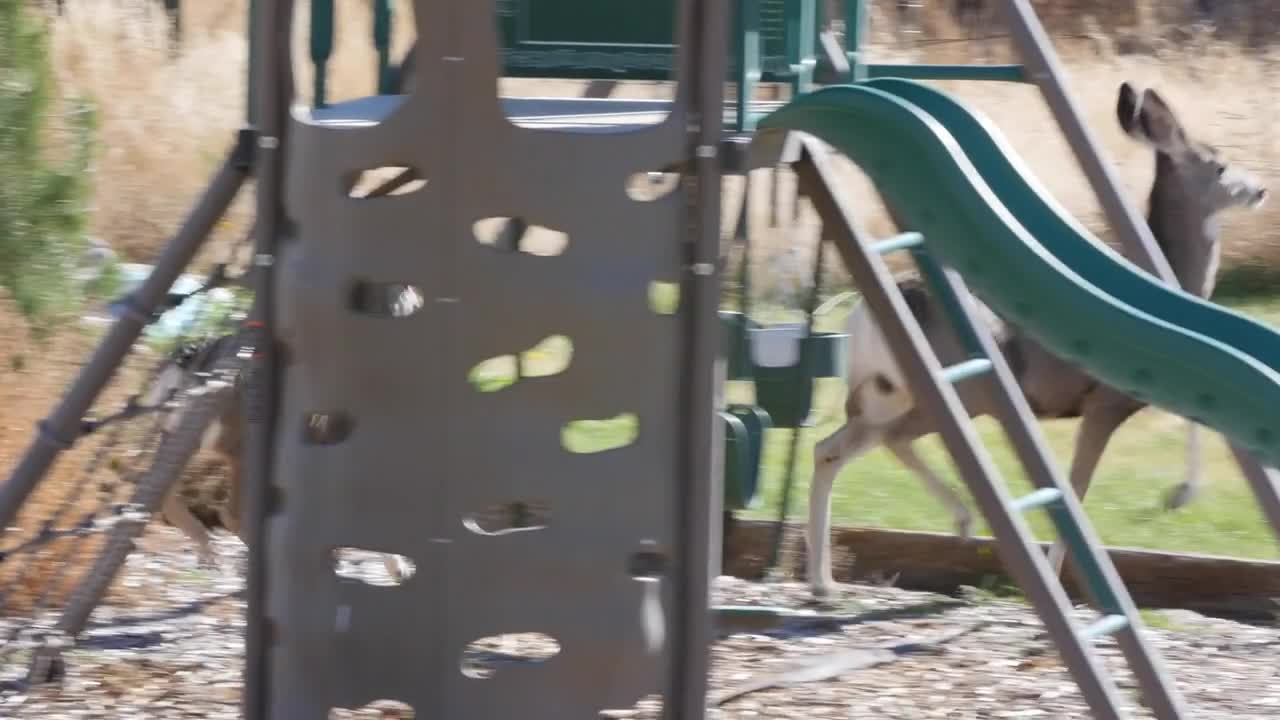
x=744 y=447
x=987 y=73
x=737 y=460
x=624 y=41
x=734 y=342
x=1081 y=300
x=786 y=393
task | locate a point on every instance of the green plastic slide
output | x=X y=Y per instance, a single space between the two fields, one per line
x=955 y=179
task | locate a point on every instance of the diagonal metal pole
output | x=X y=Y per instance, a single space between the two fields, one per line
x=1046 y=71
x=912 y=351
x=1265 y=482
x=61 y=428
x=173 y=455
x=1097 y=575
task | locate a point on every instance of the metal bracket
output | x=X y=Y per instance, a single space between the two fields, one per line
x=242 y=156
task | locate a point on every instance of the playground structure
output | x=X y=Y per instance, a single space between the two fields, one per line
x=393 y=479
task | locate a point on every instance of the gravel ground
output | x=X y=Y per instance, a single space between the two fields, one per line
x=174 y=651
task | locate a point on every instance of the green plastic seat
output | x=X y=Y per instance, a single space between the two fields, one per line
x=744 y=448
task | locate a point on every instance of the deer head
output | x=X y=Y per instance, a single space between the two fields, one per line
x=1196 y=166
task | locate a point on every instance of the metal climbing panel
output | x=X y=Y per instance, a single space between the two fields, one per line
x=411 y=455
x=932 y=386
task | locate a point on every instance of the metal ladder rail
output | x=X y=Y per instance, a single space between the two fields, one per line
x=1095 y=572
x=1027 y=564
x=1045 y=70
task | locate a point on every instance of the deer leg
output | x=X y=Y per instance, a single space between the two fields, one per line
x=179 y=515
x=224 y=437
x=906 y=454
x=1184 y=493
x=829 y=456
x=229 y=515
x=1099 y=423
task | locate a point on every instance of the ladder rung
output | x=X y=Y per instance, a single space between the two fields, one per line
x=965 y=370
x=1106 y=626
x=904 y=241
x=1036 y=499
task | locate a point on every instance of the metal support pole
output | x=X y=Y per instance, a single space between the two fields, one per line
x=272 y=81
x=855 y=29
x=698 y=508
x=805 y=360
x=1042 y=66
x=1264 y=481
x=784 y=502
x=61 y=428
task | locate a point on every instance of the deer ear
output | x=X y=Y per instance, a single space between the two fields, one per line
x=1158 y=124
x=1127 y=105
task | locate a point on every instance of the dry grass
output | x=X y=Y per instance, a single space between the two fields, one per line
x=33 y=377
x=165 y=122
x=1224 y=94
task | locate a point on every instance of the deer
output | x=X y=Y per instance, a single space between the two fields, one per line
x=225 y=435
x=1192 y=184
x=179 y=372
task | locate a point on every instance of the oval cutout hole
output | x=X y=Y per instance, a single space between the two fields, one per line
x=517 y=235
x=647 y=564
x=647 y=706
x=593 y=436
x=550 y=356
x=664 y=297
x=650 y=186
x=511 y=517
x=386 y=300
x=482 y=658
x=327 y=428
x=495 y=373
x=382 y=182
x=376 y=710
x=372 y=567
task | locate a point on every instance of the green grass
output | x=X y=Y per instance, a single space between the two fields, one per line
x=1160 y=620
x=1145 y=458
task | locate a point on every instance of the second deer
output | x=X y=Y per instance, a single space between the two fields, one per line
x=1192 y=185
x=225 y=437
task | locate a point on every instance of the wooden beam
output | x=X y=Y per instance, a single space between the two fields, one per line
x=938 y=562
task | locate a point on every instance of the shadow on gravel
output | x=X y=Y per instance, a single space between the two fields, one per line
x=183 y=610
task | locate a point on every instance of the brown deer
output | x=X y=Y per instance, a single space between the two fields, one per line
x=179 y=373
x=225 y=435
x=1192 y=184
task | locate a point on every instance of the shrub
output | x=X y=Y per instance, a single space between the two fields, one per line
x=42 y=202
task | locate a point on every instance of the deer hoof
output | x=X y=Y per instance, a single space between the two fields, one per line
x=1180 y=495
x=823 y=591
